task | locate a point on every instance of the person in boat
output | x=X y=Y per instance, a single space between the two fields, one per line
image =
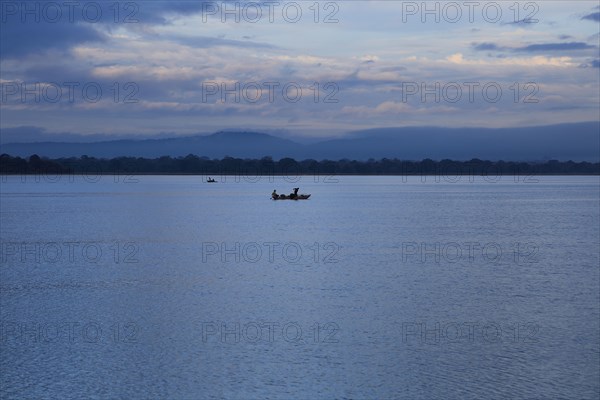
x=274 y=195
x=295 y=194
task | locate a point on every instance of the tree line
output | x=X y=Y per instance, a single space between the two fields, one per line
x=266 y=166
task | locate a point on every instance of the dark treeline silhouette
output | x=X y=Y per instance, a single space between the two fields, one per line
x=266 y=166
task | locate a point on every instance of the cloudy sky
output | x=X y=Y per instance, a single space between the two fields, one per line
x=305 y=68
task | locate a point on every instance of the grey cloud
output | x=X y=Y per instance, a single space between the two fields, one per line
x=592 y=17
x=393 y=69
x=61 y=27
x=591 y=64
x=20 y=39
x=555 y=47
x=538 y=47
x=524 y=22
x=486 y=46
x=207 y=42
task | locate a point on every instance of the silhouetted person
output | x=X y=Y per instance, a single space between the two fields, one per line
x=274 y=195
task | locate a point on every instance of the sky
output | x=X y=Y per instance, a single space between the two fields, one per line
x=311 y=69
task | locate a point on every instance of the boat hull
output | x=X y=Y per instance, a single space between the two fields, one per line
x=299 y=197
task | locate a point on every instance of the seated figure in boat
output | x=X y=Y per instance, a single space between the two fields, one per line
x=274 y=195
x=295 y=194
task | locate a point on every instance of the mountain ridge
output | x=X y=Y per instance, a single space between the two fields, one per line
x=576 y=141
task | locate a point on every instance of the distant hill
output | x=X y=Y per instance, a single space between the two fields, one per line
x=234 y=144
x=577 y=142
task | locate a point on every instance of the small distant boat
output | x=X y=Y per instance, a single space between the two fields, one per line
x=298 y=197
x=210 y=180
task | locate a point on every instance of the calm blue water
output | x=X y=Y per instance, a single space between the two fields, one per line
x=376 y=287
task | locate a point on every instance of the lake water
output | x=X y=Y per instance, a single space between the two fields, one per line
x=376 y=287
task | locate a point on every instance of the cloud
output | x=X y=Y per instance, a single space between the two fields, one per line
x=172 y=51
x=485 y=46
x=527 y=62
x=387 y=107
x=555 y=47
x=523 y=22
x=538 y=47
x=207 y=42
x=28 y=28
x=368 y=59
x=456 y=58
x=591 y=64
x=19 y=39
x=592 y=17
